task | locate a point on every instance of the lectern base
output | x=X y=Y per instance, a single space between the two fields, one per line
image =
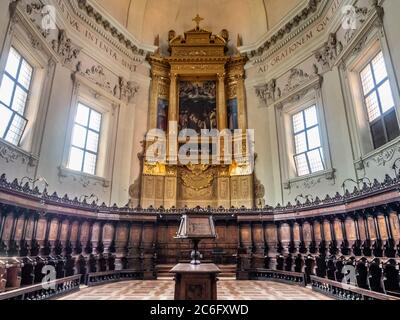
x=195 y=282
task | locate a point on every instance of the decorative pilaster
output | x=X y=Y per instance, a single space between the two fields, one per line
x=222 y=112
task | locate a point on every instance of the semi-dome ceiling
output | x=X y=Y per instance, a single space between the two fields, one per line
x=146 y=19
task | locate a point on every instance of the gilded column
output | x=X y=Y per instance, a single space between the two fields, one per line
x=241 y=103
x=173 y=93
x=153 y=101
x=222 y=114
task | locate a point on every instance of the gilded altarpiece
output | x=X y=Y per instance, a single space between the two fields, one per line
x=198 y=86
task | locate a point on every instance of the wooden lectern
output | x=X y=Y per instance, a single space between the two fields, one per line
x=196 y=281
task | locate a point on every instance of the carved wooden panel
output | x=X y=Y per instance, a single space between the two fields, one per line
x=19 y=229
x=317 y=231
x=29 y=229
x=148 y=233
x=285 y=232
x=338 y=230
x=350 y=229
x=296 y=233
x=41 y=229
x=245 y=234
x=394 y=223
x=307 y=232
x=371 y=227
x=136 y=233
x=74 y=231
x=162 y=233
x=327 y=230
x=382 y=227
x=122 y=232
x=64 y=230
x=85 y=232
x=108 y=232
x=271 y=233
x=7 y=227
x=53 y=230
x=361 y=227
x=221 y=232
x=232 y=236
x=95 y=232
x=258 y=236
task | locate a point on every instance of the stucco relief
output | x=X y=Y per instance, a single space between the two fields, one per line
x=11 y=154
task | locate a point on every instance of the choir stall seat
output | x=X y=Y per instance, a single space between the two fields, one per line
x=40 y=263
x=288 y=262
x=330 y=268
x=375 y=276
x=13 y=273
x=82 y=269
x=69 y=266
x=298 y=263
x=27 y=274
x=3 y=276
x=309 y=268
x=362 y=273
x=280 y=261
x=391 y=278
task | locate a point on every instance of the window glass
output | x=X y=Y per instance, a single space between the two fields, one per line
x=14 y=92
x=307 y=140
x=85 y=140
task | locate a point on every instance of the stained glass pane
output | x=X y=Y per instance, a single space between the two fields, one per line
x=310 y=115
x=379 y=67
x=90 y=163
x=301 y=165
x=298 y=122
x=300 y=142
x=372 y=107
x=75 y=159
x=13 y=61
x=386 y=97
x=367 y=80
x=82 y=115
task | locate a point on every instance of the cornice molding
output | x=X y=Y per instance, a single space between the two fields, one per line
x=306 y=14
x=105 y=24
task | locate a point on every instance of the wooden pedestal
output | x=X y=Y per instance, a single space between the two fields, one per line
x=195 y=282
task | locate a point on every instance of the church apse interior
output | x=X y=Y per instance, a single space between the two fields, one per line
x=199 y=150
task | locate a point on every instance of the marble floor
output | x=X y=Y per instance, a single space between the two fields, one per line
x=164 y=290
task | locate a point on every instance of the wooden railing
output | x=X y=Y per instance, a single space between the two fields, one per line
x=342 y=291
x=279 y=276
x=48 y=291
x=98 y=278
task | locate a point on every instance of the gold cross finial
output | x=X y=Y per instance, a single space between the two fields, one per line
x=198 y=19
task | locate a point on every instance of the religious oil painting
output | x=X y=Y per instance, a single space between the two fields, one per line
x=197 y=105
